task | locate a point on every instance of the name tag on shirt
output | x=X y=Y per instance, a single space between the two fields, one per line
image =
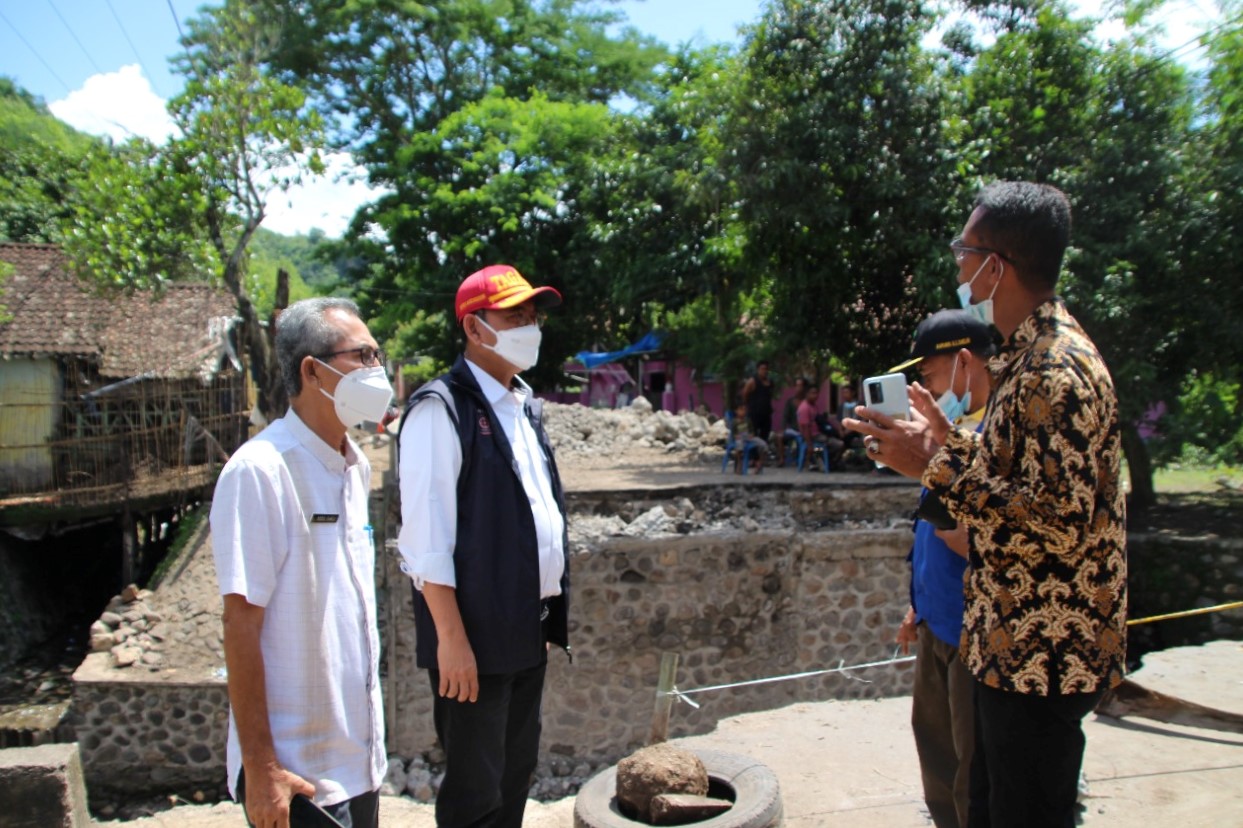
x=318 y=518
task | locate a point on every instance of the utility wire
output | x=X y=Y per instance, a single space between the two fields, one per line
x=173 y=12
x=76 y=40
x=35 y=52
x=132 y=47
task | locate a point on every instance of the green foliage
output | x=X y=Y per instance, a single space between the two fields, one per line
x=1205 y=425
x=6 y=270
x=139 y=220
x=308 y=255
x=843 y=162
x=41 y=161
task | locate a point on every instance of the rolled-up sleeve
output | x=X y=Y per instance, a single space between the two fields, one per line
x=428 y=467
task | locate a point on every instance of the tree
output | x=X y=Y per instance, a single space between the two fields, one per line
x=396 y=77
x=41 y=163
x=842 y=160
x=243 y=135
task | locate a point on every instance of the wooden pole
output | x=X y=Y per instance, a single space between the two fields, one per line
x=664 y=701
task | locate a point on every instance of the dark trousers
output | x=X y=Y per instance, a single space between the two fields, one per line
x=363 y=811
x=943 y=721
x=491 y=747
x=1029 y=750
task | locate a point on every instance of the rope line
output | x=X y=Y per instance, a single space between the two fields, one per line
x=684 y=695
x=841 y=668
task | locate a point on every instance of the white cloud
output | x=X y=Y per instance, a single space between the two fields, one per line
x=327 y=202
x=121 y=105
x=117 y=104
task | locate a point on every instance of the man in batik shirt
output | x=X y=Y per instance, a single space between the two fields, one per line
x=1040 y=493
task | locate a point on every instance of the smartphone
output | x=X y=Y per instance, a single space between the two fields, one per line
x=304 y=811
x=887 y=394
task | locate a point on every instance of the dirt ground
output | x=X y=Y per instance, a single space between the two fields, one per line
x=853 y=763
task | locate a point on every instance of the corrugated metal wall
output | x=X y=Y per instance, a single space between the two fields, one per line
x=30 y=392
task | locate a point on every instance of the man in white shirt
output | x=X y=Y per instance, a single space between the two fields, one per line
x=296 y=566
x=483 y=539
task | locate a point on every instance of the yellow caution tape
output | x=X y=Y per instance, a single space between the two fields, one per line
x=1186 y=613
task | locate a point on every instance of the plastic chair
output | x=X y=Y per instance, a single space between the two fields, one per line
x=816 y=447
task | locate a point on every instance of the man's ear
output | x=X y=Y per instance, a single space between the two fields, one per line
x=308 y=369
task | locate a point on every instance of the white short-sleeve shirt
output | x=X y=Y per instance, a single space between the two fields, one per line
x=290 y=533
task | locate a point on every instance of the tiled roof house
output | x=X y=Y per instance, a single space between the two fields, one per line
x=99 y=391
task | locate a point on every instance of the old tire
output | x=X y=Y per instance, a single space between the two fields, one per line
x=757 y=797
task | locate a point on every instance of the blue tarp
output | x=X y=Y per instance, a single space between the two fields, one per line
x=647 y=344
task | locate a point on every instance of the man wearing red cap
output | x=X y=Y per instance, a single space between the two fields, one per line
x=483 y=538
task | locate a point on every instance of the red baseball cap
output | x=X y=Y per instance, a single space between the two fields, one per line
x=497 y=287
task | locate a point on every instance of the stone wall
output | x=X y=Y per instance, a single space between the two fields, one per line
x=809 y=590
x=143 y=733
x=741 y=582
x=1171 y=574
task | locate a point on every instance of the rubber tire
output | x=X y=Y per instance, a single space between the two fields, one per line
x=757 y=797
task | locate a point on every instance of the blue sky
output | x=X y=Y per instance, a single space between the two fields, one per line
x=103 y=66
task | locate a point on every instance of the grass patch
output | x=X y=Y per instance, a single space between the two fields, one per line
x=1178 y=479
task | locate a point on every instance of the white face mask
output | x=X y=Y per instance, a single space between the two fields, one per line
x=517 y=346
x=362 y=395
x=955 y=407
x=982 y=311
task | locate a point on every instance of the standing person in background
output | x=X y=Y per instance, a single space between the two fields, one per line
x=758 y=396
x=296 y=566
x=951 y=348
x=1040 y=494
x=789 y=419
x=483 y=537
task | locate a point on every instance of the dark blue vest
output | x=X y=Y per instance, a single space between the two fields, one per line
x=496 y=559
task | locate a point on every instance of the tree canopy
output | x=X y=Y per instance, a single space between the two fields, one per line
x=788 y=198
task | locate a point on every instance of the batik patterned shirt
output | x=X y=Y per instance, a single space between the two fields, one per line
x=1040 y=492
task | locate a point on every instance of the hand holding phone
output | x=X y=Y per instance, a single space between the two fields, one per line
x=887 y=394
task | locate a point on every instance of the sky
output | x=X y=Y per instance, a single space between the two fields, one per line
x=103 y=67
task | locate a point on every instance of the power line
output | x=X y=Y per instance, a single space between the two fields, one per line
x=132 y=47
x=35 y=52
x=76 y=40
x=173 y=12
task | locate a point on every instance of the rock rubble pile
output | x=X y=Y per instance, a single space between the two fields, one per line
x=608 y=432
x=419 y=778
x=131 y=630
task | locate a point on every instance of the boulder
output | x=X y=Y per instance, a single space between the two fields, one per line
x=658 y=769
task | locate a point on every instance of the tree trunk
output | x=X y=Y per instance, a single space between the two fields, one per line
x=1143 y=494
x=271 y=400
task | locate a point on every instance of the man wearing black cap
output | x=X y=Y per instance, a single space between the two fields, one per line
x=1039 y=489
x=483 y=537
x=951 y=350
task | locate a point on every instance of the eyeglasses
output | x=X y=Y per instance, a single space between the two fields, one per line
x=519 y=318
x=961 y=250
x=366 y=355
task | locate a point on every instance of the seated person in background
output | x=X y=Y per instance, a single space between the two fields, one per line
x=745 y=439
x=813 y=432
x=789 y=419
x=849 y=402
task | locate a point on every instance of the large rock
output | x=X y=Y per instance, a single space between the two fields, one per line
x=655 y=770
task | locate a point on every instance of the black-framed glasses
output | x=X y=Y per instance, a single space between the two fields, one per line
x=960 y=250
x=518 y=318
x=366 y=355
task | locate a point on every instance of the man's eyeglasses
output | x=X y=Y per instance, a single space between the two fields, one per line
x=518 y=318
x=961 y=250
x=366 y=355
